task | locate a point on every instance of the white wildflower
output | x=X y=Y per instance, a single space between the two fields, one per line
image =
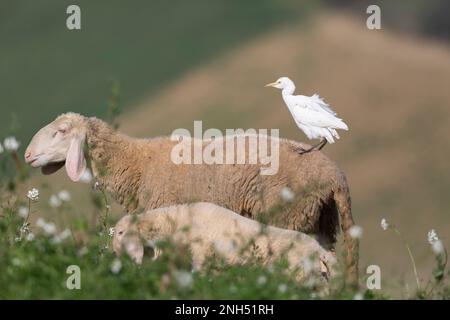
x=64 y=195
x=116 y=266
x=282 y=288
x=25 y=228
x=384 y=224
x=436 y=244
x=111 y=231
x=358 y=296
x=262 y=280
x=30 y=236
x=432 y=236
x=18 y=239
x=61 y=237
x=54 y=201
x=96 y=185
x=355 y=232
x=437 y=247
x=33 y=194
x=86 y=177
x=56 y=239
x=66 y=233
x=184 y=279
x=287 y=194
x=40 y=222
x=11 y=144
x=48 y=227
x=23 y=212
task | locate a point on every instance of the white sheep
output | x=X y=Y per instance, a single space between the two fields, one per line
x=209 y=230
x=140 y=174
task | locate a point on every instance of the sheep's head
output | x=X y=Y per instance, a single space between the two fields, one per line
x=126 y=238
x=58 y=143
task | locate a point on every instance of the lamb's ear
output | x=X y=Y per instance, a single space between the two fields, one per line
x=134 y=248
x=75 y=161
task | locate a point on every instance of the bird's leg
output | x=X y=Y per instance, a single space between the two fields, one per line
x=323 y=143
x=320 y=145
x=300 y=150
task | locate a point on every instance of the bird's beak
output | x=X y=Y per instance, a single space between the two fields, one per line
x=270 y=84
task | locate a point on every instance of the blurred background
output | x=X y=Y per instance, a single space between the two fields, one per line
x=168 y=63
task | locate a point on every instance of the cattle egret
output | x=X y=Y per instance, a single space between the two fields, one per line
x=311 y=114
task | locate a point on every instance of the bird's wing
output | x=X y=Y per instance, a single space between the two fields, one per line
x=315 y=118
x=315 y=102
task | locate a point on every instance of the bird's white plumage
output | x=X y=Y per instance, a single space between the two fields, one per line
x=315 y=102
x=311 y=114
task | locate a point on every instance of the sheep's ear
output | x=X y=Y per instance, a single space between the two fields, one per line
x=75 y=161
x=134 y=248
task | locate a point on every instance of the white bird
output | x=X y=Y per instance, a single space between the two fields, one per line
x=311 y=114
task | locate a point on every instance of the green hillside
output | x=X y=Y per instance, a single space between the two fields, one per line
x=45 y=69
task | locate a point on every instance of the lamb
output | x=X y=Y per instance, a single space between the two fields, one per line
x=209 y=230
x=140 y=175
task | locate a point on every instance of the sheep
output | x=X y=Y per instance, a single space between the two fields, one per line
x=140 y=175
x=209 y=230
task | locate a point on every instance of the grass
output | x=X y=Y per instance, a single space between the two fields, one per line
x=36 y=267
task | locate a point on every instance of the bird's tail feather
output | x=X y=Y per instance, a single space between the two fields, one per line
x=334 y=133
x=341 y=125
x=328 y=134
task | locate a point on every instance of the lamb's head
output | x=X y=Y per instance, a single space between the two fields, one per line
x=58 y=143
x=126 y=238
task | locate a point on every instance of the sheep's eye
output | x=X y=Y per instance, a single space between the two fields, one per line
x=120 y=233
x=62 y=131
x=54 y=134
